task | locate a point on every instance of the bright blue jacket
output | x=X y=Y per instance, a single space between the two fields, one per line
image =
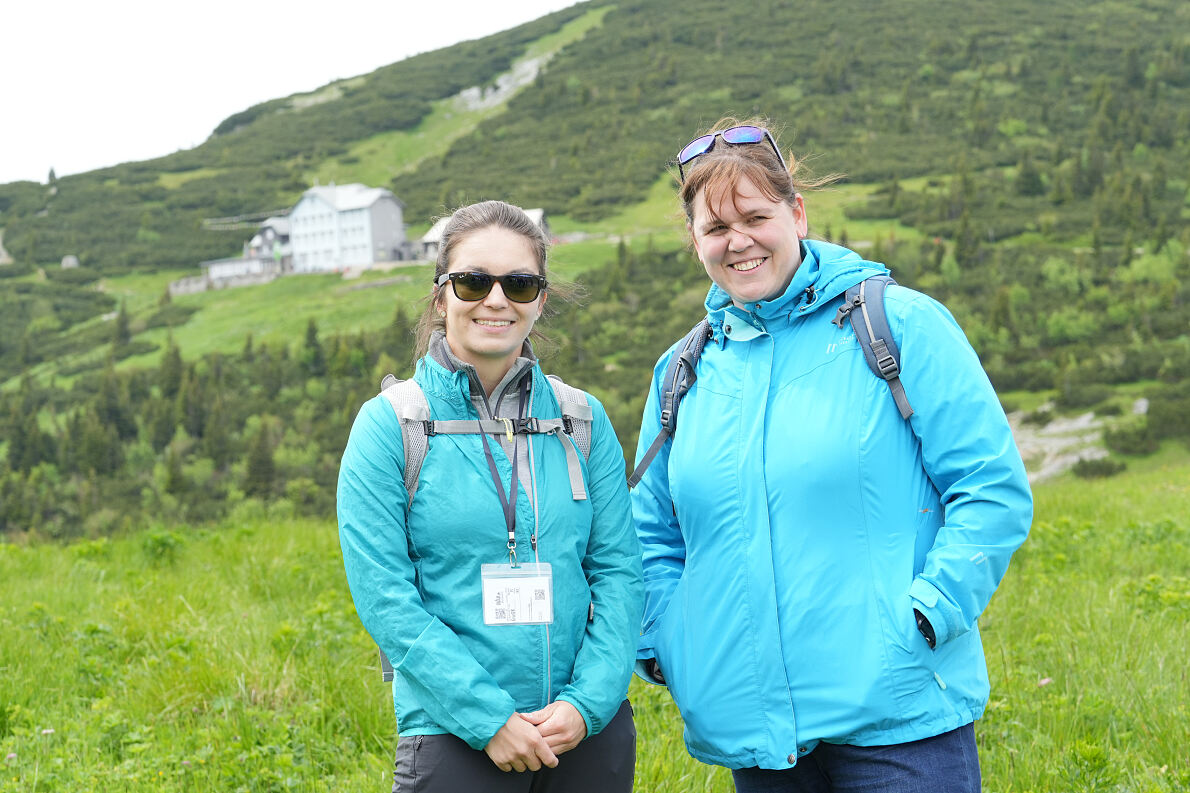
x=414 y=571
x=795 y=521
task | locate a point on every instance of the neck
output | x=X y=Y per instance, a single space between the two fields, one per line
x=491 y=373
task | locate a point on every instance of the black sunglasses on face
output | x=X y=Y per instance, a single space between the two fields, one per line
x=472 y=286
x=735 y=136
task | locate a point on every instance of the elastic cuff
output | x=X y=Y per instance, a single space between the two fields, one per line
x=943 y=616
x=582 y=711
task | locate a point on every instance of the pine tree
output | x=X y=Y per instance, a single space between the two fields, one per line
x=176 y=482
x=1028 y=178
x=121 y=332
x=113 y=406
x=261 y=470
x=169 y=373
x=161 y=417
x=192 y=407
x=313 y=357
x=216 y=442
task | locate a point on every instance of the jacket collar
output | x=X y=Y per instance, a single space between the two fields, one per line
x=827 y=271
x=446 y=372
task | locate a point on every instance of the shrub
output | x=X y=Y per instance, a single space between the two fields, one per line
x=1083 y=395
x=1098 y=469
x=1040 y=417
x=1135 y=439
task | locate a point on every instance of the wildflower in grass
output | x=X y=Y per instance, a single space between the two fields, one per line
x=11 y=756
x=1045 y=681
x=48 y=731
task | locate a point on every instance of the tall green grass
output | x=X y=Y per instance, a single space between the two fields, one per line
x=231 y=659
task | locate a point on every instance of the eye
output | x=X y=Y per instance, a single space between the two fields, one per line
x=756 y=219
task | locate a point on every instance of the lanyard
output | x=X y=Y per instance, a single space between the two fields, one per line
x=508 y=503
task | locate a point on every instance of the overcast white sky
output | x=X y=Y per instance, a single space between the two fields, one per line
x=85 y=85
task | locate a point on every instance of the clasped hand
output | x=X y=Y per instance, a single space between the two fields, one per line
x=527 y=741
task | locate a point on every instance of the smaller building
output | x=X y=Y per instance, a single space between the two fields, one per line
x=70 y=262
x=428 y=245
x=267 y=255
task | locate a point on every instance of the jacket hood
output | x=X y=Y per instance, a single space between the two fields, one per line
x=827 y=271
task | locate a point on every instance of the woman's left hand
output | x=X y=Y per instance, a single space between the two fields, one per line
x=560 y=724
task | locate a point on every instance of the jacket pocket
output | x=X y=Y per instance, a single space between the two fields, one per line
x=669 y=629
x=910 y=659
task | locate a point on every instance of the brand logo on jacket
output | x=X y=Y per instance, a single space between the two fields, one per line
x=845 y=339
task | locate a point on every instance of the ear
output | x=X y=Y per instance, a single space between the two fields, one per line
x=800 y=218
x=693 y=240
x=541 y=306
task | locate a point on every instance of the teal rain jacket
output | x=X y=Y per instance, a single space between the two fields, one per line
x=795 y=521
x=414 y=572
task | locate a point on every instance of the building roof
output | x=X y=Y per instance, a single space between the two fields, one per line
x=344 y=197
x=278 y=224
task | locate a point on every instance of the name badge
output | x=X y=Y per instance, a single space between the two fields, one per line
x=522 y=595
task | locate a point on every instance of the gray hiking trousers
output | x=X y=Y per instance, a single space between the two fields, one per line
x=602 y=763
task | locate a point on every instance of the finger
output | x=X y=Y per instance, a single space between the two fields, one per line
x=559 y=745
x=547 y=755
x=536 y=717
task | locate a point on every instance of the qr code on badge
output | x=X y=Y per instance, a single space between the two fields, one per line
x=501 y=614
x=539 y=594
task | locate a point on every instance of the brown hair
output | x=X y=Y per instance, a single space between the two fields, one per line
x=475 y=217
x=719 y=171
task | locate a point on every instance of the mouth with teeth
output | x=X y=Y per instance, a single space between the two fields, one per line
x=494 y=323
x=746 y=266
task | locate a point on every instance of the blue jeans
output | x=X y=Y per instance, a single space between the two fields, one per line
x=946 y=763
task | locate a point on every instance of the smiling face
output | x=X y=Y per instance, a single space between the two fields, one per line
x=748 y=243
x=489 y=333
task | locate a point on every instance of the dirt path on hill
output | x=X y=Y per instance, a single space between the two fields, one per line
x=4 y=257
x=1052 y=449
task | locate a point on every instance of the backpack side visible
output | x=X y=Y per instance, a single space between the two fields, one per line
x=875 y=336
x=871 y=328
x=679 y=377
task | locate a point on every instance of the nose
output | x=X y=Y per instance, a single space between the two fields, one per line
x=737 y=240
x=496 y=298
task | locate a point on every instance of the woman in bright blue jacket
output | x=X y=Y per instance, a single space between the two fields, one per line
x=815 y=564
x=491 y=692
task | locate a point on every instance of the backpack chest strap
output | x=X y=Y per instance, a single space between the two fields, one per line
x=526 y=426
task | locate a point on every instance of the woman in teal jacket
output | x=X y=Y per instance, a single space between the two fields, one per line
x=480 y=690
x=814 y=563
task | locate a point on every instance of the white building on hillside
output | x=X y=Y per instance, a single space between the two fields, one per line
x=340 y=226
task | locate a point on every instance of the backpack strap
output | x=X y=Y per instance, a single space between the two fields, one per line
x=413 y=411
x=576 y=422
x=679 y=377
x=875 y=336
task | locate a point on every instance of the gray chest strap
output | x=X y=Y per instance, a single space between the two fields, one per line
x=413 y=411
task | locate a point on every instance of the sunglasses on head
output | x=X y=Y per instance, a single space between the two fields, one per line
x=735 y=136
x=472 y=286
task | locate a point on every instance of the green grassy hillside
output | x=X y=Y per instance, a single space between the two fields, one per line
x=1033 y=178
x=231 y=659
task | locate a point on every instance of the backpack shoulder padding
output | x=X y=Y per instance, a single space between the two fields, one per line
x=413 y=411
